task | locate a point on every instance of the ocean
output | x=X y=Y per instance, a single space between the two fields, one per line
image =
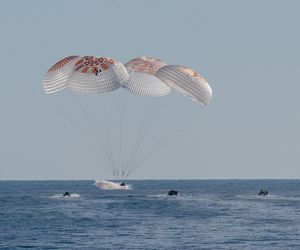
x=206 y=214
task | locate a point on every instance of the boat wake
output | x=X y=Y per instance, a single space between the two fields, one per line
x=61 y=196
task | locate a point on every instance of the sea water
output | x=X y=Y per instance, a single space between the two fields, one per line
x=206 y=214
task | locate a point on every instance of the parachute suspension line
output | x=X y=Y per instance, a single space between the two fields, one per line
x=165 y=140
x=82 y=135
x=108 y=138
x=99 y=140
x=121 y=107
x=145 y=128
x=138 y=139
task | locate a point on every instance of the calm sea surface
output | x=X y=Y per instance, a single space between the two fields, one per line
x=207 y=214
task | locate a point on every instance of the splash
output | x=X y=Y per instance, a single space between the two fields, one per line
x=109 y=185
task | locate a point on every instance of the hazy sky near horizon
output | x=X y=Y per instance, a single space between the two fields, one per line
x=247 y=50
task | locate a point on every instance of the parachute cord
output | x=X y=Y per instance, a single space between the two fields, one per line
x=107 y=135
x=162 y=143
x=144 y=132
x=99 y=140
x=121 y=114
x=82 y=135
x=138 y=140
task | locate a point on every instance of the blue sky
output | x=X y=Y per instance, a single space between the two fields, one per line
x=247 y=50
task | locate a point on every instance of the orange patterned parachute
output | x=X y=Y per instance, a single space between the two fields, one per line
x=86 y=75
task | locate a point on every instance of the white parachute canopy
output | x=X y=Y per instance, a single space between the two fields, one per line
x=142 y=79
x=186 y=81
x=144 y=76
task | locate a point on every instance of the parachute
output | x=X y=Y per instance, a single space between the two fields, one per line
x=142 y=79
x=86 y=75
x=186 y=81
x=56 y=78
x=142 y=76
